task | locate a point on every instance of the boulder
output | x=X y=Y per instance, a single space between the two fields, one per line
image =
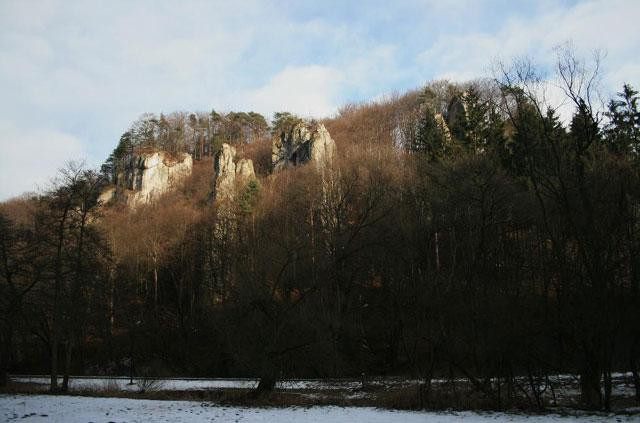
x=228 y=173
x=302 y=143
x=149 y=175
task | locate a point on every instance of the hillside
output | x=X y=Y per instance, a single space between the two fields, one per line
x=458 y=231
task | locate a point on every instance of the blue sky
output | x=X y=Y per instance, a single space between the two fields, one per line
x=75 y=74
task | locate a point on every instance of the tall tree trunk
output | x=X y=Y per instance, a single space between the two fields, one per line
x=5 y=355
x=267 y=384
x=53 y=387
x=607 y=389
x=636 y=377
x=55 y=323
x=67 y=366
x=155 y=284
x=112 y=292
x=590 y=393
x=634 y=365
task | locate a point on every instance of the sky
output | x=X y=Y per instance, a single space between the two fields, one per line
x=74 y=75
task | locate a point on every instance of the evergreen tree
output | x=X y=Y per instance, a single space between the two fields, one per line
x=476 y=125
x=249 y=197
x=120 y=154
x=623 y=131
x=430 y=137
x=584 y=129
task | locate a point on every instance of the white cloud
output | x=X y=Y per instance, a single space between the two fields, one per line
x=305 y=90
x=79 y=72
x=609 y=25
x=30 y=158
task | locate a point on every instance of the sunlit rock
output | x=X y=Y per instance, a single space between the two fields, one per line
x=302 y=143
x=228 y=173
x=149 y=175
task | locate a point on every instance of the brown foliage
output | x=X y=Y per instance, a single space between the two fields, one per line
x=259 y=151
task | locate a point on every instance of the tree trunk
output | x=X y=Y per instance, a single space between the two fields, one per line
x=5 y=358
x=67 y=366
x=590 y=393
x=54 y=363
x=155 y=284
x=4 y=375
x=266 y=384
x=636 y=379
x=424 y=393
x=607 y=390
x=55 y=323
x=112 y=292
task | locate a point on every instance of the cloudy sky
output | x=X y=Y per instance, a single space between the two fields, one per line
x=75 y=74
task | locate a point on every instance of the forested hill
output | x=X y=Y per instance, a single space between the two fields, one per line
x=458 y=230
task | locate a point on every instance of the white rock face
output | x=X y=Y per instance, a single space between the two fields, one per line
x=228 y=173
x=225 y=171
x=244 y=170
x=300 y=144
x=107 y=195
x=147 y=176
x=442 y=124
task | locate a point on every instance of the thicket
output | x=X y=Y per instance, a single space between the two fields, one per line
x=503 y=250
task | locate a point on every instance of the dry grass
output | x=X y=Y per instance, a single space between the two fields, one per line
x=442 y=397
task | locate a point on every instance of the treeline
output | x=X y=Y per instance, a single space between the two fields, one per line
x=199 y=134
x=501 y=247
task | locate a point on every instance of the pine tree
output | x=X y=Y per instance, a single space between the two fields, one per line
x=476 y=124
x=430 y=137
x=249 y=197
x=584 y=129
x=623 y=131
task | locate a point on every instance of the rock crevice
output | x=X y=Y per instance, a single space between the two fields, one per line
x=302 y=143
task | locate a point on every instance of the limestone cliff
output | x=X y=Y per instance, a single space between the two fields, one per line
x=442 y=124
x=300 y=144
x=228 y=172
x=147 y=176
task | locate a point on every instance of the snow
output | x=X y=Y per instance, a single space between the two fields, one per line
x=565 y=386
x=122 y=383
x=174 y=384
x=69 y=409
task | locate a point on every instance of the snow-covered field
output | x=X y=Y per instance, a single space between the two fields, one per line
x=68 y=409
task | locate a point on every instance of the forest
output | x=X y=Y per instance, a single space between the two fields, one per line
x=502 y=247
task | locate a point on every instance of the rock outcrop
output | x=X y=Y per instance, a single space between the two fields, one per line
x=244 y=170
x=302 y=143
x=442 y=124
x=147 y=176
x=228 y=172
x=457 y=110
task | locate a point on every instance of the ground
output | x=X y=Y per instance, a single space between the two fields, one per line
x=71 y=409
